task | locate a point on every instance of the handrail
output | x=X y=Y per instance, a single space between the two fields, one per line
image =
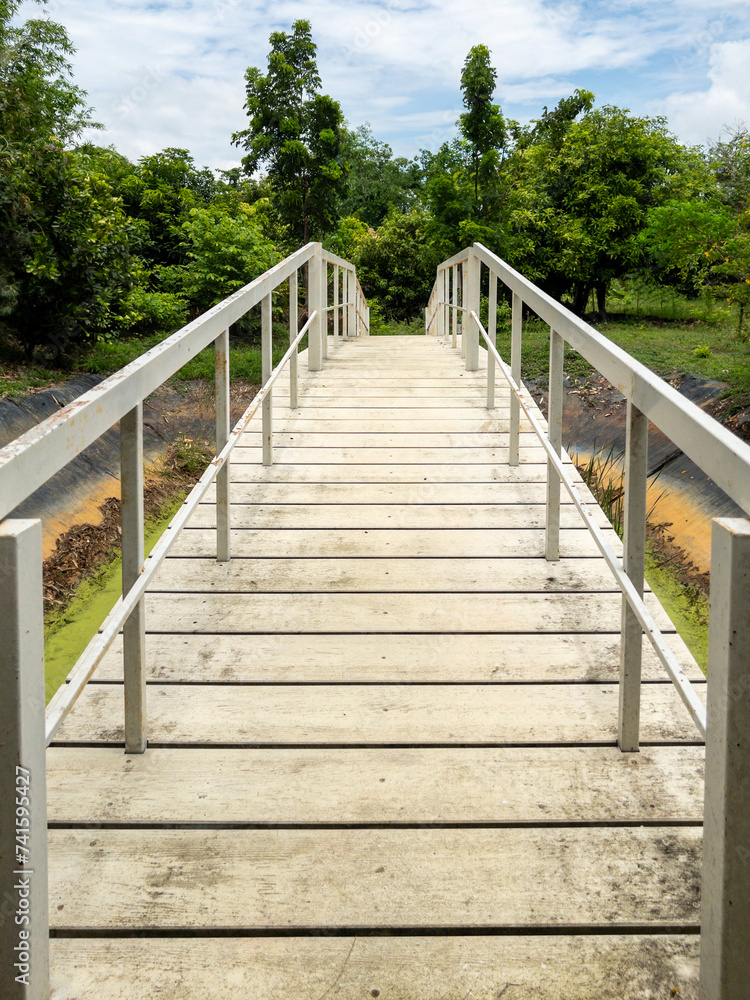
x=678 y=676
x=63 y=701
x=36 y=456
x=725 y=893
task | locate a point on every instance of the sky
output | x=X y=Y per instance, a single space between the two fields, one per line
x=171 y=72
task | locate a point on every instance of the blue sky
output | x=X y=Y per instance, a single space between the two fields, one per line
x=171 y=73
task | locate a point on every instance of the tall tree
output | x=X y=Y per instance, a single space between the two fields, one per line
x=296 y=133
x=482 y=124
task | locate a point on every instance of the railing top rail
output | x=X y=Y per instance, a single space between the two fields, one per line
x=460 y=258
x=33 y=458
x=722 y=455
x=332 y=258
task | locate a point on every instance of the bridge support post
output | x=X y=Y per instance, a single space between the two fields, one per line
x=473 y=301
x=515 y=370
x=266 y=313
x=634 y=564
x=351 y=291
x=293 y=331
x=554 y=423
x=454 y=309
x=315 y=304
x=133 y=555
x=336 y=278
x=492 y=334
x=223 y=420
x=725 y=906
x=24 y=905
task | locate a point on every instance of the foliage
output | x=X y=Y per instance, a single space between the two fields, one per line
x=223 y=251
x=377 y=183
x=347 y=238
x=482 y=124
x=397 y=264
x=297 y=133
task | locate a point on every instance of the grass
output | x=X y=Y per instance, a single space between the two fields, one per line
x=669 y=349
x=68 y=633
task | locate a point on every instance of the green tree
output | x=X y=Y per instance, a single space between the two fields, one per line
x=482 y=124
x=296 y=133
x=377 y=182
x=64 y=240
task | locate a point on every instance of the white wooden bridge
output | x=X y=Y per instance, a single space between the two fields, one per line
x=386 y=738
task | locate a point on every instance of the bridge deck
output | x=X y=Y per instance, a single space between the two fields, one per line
x=382 y=739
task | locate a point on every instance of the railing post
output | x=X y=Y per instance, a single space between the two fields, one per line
x=324 y=299
x=461 y=301
x=336 y=304
x=725 y=904
x=554 y=424
x=293 y=331
x=515 y=370
x=266 y=312
x=634 y=564
x=24 y=903
x=454 y=309
x=492 y=334
x=351 y=322
x=314 y=304
x=221 y=352
x=134 y=630
x=473 y=300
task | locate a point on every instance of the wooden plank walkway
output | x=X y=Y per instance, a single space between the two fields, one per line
x=382 y=751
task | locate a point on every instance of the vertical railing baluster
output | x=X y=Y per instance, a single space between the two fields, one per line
x=725 y=896
x=223 y=419
x=492 y=334
x=314 y=304
x=293 y=331
x=325 y=309
x=473 y=298
x=515 y=370
x=634 y=564
x=336 y=298
x=132 y=526
x=24 y=969
x=461 y=299
x=554 y=424
x=266 y=311
x=454 y=310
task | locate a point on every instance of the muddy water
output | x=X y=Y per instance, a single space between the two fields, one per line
x=680 y=494
x=73 y=496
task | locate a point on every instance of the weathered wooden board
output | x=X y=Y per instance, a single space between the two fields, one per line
x=423 y=473
x=378 y=786
x=387 y=424
x=254 y=576
x=474 y=517
x=374 y=878
x=435 y=418
x=415 y=543
x=476 y=494
x=415 y=658
x=390 y=456
x=406 y=439
x=375 y=613
x=373 y=715
x=588 y=967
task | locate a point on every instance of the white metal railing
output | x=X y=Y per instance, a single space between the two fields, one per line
x=725 y=961
x=26 y=464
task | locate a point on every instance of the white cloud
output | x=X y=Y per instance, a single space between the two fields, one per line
x=700 y=114
x=171 y=73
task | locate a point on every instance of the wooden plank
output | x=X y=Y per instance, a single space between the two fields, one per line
x=360 y=415
x=376 y=439
x=396 y=516
x=588 y=967
x=387 y=424
x=392 y=493
x=415 y=658
x=390 y=456
x=424 y=473
x=308 y=787
x=372 y=715
x=415 y=543
x=479 y=878
x=376 y=613
x=255 y=576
